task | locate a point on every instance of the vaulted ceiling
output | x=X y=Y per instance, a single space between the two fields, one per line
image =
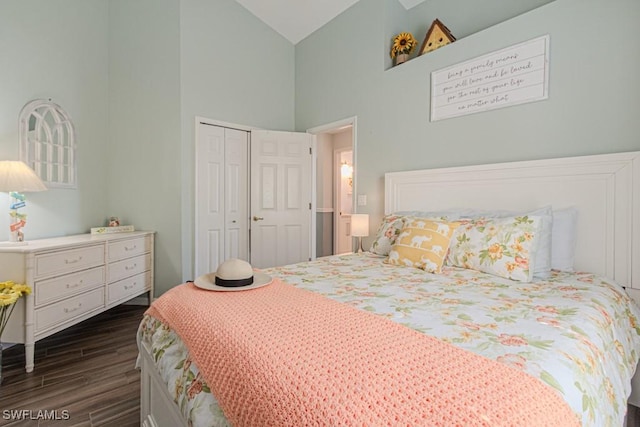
x=296 y=19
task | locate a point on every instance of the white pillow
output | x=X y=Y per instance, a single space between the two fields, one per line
x=563 y=239
x=450 y=215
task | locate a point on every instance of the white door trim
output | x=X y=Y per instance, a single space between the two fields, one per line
x=353 y=121
x=200 y=119
x=349 y=121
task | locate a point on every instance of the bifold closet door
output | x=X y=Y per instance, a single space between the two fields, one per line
x=222 y=192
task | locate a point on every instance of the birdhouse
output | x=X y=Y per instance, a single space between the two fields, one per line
x=437 y=36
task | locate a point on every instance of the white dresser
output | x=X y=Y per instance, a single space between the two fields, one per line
x=73 y=278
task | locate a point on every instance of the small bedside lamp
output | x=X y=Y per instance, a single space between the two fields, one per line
x=360 y=228
x=16 y=178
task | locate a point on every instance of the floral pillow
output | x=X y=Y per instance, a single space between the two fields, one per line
x=543 y=253
x=504 y=247
x=387 y=234
x=422 y=243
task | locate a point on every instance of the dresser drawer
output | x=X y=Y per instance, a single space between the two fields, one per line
x=56 y=314
x=129 y=267
x=69 y=260
x=68 y=285
x=131 y=286
x=127 y=248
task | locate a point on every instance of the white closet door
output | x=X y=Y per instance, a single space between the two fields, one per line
x=221 y=197
x=236 y=194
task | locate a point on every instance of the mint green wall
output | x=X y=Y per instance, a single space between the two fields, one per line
x=593 y=91
x=58 y=50
x=133 y=75
x=464 y=18
x=143 y=157
x=233 y=69
x=171 y=61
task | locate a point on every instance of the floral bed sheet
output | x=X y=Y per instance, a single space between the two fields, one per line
x=576 y=332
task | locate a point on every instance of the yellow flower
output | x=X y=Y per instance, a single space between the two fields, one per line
x=10 y=292
x=403 y=43
x=495 y=251
x=8 y=298
x=22 y=289
x=517 y=247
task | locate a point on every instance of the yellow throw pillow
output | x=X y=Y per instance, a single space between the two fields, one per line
x=422 y=243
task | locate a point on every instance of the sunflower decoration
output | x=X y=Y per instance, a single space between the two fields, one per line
x=403 y=43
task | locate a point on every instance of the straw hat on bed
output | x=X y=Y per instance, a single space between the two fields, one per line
x=233 y=275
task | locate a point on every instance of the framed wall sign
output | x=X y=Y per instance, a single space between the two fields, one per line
x=510 y=76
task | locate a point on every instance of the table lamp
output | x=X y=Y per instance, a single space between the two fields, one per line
x=17 y=178
x=360 y=228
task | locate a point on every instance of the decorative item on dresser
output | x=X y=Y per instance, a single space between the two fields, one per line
x=74 y=278
x=16 y=178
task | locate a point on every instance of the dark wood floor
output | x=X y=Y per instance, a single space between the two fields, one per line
x=633 y=416
x=86 y=370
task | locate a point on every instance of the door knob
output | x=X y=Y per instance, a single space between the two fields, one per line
x=257 y=218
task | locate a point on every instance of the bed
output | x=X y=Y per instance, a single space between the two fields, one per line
x=574 y=331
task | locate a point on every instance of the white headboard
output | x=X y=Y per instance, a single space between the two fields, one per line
x=604 y=189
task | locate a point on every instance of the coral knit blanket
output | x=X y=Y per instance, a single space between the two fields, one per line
x=283 y=356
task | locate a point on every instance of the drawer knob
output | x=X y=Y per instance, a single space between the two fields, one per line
x=71 y=310
x=130 y=248
x=130 y=267
x=75 y=285
x=72 y=261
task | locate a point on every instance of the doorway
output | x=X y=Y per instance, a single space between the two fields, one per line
x=335 y=186
x=253 y=196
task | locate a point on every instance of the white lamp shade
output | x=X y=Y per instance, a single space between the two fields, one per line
x=359 y=225
x=17 y=176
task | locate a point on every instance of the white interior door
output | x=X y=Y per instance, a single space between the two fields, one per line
x=281 y=194
x=222 y=224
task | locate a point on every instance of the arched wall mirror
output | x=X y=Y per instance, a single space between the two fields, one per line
x=47 y=143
